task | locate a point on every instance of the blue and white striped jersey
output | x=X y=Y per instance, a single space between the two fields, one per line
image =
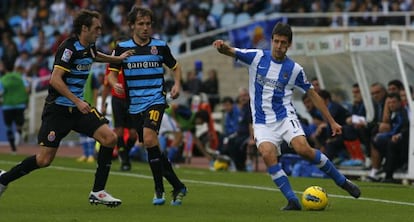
x=144 y=73
x=271 y=84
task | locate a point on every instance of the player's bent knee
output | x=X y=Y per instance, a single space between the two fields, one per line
x=43 y=162
x=150 y=141
x=110 y=140
x=105 y=136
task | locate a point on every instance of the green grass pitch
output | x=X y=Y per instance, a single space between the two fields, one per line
x=60 y=193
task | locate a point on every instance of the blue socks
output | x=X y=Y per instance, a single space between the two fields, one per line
x=323 y=163
x=281 y=180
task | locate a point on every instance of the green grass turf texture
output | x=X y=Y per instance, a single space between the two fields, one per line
x=60 y=193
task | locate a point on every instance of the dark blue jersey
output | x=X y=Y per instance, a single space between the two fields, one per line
x=144 y=72
x=76 y=60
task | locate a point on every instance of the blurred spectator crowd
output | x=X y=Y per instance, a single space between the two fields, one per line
x=32 y=30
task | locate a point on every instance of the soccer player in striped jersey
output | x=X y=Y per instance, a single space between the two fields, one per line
x=66 y=110
x=272 y=78
x=144 y=88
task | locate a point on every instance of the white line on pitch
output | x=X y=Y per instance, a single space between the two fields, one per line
x=218 y=184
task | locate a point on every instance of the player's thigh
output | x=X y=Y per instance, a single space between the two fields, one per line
x=267 y=133
x=57 y=122
x=137 y=123
x=302 y=147
x=291 y=128
x=153 y=117
x=152 y=123
x=269 y=152
x=94 y=124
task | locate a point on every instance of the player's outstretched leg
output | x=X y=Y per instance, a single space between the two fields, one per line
x=327 y=166
x=23 y=168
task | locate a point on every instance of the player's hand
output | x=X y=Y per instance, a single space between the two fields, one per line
x=175 y=91
x=218 y=44
x=118 y=88
x=336 y=129
x=83 y=107
x=395 y=138
x=127 y=54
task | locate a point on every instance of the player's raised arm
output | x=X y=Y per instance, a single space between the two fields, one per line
x=317 y=100
x=224 y=48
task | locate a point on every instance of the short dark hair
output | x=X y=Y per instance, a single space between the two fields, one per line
x=324 y=94
x=227 y=99
x=282 y=29
x=139 y=12
x=397 y=83
x=84 y=17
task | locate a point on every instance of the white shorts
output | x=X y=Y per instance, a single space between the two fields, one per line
x=168 y=125
x=276 y=133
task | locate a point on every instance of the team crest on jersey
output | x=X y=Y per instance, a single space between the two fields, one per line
x=285 y=75
x=67 y=54
x=52 y=136
x=154 y=50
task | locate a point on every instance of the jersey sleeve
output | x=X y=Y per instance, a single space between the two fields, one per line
x=116 y=66
x=245 y=56
x=169 y=61
x=301 y=81
x=64 y=56
x=94 y=51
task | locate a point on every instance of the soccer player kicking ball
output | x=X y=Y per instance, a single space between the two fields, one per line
x=272 y=78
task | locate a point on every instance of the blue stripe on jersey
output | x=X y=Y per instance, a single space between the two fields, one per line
x=301 y=82
x=262 y=70
x=279 y=92
x=127 y=43
x=77 y=78
x=157 y=42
